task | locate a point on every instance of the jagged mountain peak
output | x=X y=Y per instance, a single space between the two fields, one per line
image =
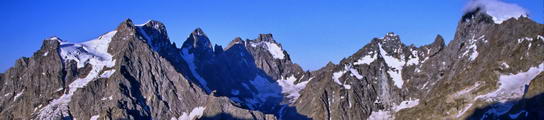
x=155 y=35
x=266 y=37
x=389 y=39
x=476 y=15
x=198 y=32
x=384 y=78
x=52 y=42
x=267 y=42
x=153 y=23
x=197 y=39
x=126 y=26
x=438 y=39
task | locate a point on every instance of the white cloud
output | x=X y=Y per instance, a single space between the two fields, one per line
x=499 y=10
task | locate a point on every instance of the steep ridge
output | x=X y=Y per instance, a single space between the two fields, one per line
x=484 y=64
x=377 y=78
x=244 y=71
x=488 y=60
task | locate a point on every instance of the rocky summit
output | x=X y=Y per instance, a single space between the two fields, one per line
x=490 y=70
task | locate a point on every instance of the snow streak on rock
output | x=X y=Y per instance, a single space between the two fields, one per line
x=273 y=48
x=406 y=104
x=367 y=59
x=396 y=64
x=193 y=115
x=336 y=76
x=190 y=59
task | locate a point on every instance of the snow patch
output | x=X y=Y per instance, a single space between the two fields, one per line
x=292 y=89
x=472 y=48
x=273 y=48
x=196 y=113
x=367 y=59
x=413 y=60
x=505 y=65
x=94 y=117
x=406 y=104
x=107 y=98
x=18 y=95
x=525 y=39
x=388 y=114
x=380 y=115
x=467 y=90
x=499 y=10
x=465 y=109
x=355 y=72
x=336 y=78
x=107 y=73
x=512 y=86
x=94 y=52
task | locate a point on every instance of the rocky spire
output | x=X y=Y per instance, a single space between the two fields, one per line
x=197 y=39
x=154 y=33
x=126 y=27
x=266 y=37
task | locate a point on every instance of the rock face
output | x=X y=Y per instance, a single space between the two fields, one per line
x=489 y=71
x=482 y=73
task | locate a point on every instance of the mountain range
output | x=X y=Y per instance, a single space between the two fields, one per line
x=490 y=70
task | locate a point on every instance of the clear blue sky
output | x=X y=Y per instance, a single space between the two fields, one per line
x=312 y=31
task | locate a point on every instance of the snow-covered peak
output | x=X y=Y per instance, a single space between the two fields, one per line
x=500 y=11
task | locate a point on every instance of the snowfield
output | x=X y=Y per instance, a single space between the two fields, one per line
x=289 y=87
x=93 y=52
x=511 y=87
